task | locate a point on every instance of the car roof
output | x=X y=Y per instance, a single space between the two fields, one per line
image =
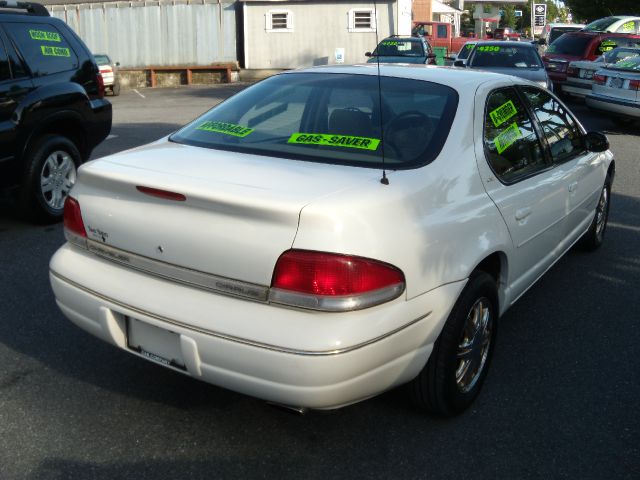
x=457 y=78
x=403 y=38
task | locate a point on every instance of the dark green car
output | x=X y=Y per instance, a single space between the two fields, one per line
x=397 y=49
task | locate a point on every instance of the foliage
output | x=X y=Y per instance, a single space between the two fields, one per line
x=589 y=10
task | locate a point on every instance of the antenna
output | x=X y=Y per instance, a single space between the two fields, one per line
x=384 y=180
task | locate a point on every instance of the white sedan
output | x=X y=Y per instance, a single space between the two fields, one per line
x=616 y=91
x=314 y=241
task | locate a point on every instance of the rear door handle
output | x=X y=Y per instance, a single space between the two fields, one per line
x=523 y=213
x=573 y=186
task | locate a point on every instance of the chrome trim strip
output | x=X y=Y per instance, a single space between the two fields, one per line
x=186 y=276
x=251 y=343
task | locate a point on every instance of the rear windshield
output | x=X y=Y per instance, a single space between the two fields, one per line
x=505 y=57
x=619 y=54
x=574 y=45
x=399 y=48
x=601 y=25
x=331 y=118
x=465 y=51
x=630 y=63
x=102 y=60
x=557 y=32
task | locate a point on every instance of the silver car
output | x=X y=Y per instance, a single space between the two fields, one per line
x=616 y=91
x=518 y=59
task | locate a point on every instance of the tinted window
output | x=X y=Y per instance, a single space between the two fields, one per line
x=601 y=25
x=331 y=118
x=619 y=54
x=570 y=45
x=561 y=131
x=465 y=51
x=505 y=57
x=442 y=31
x=43 y=47
x=511 y=144
x=557 y=32
x=399 y=48
x=5 y=72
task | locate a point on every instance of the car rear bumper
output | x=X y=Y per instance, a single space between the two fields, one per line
x=99 y=122
x=577 y=89
x=613 y=105
x=323 y=361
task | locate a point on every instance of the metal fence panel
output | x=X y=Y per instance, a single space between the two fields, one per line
x=163 y=34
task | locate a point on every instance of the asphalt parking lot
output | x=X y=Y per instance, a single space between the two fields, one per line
x=560 y=401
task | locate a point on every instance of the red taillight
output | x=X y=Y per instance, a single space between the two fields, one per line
x=330 y=281
x=634 y=84
x=100 y=83
x=166 y=194
x=106 y=70
x=599 y=79
x=73 y=217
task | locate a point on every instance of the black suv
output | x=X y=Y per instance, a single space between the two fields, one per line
x=52 y=110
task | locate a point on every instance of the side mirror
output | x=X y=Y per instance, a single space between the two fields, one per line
x=117 y=64
x=597 y=142
x=459 y=63
x=368 y=54
x=431 y=55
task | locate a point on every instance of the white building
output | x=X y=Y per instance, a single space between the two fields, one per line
x=292 y=34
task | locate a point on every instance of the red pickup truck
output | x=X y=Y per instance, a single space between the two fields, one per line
x=439 y=34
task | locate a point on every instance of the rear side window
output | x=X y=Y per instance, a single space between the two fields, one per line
x=43 y=47
x=5 y=72
x=557 y=32
x=575 y=45
x=629 y=27
x=561 y=131
x=609 y=44
x=332 y=118
x=511 y=144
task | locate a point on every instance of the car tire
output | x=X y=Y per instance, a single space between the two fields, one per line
x=115 y=89
x=458 y=365
x=51 y=162
x=594 y=237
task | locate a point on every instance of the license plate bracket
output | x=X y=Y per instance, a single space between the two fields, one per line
x=154 y=343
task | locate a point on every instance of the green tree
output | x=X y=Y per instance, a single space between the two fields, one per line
x=589 y=10
x=509 y=18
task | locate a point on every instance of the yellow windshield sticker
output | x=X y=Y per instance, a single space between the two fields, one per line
x=488 y=48
x=607 y=46
x=329 y=140
x=507 y=137
x=628 y=27
x=225 y=128
x=55 y=51
x=42 y=35
x=503 y=113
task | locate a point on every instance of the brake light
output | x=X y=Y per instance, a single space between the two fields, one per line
x=634 y=84
x=333 y=282
x=106 y=70
x=166 y=194
x=100 y=84
x=599 y=79
x=73 y=224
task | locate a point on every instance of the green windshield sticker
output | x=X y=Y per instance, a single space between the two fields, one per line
x=488 y=48
x=503 y=113
x=55 y=51
x=507 y=137
x=347 y=141
x=42 y=35
x=389 y=42
x=469 y=47
x=225 y=128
